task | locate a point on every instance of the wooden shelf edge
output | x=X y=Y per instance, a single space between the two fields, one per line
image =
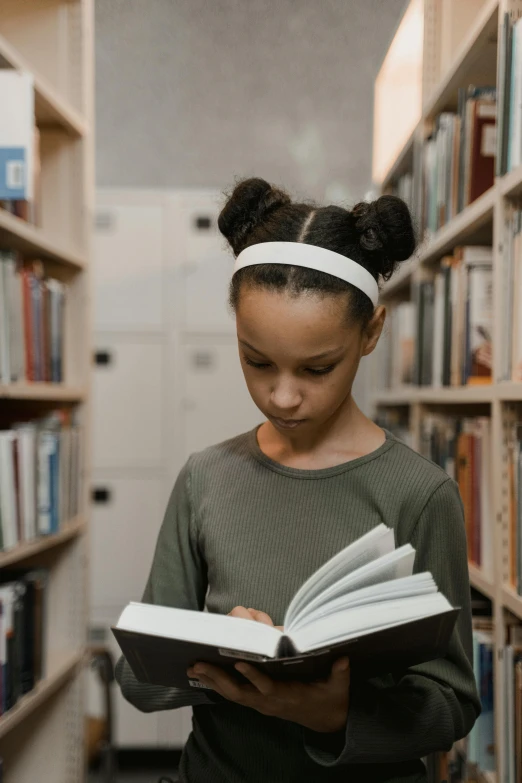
x=402 y=279
x=47 y=97
x=481 y=582
x=41 y=693
x=408 y=395
x=478 y=34
x=397 y=165
x=41 y=391
x=72 y=529
x=512 y=601
x=511 y=183
x=31 y=239
x=457 y=230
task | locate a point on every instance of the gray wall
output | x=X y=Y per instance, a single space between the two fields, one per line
x=193 y=93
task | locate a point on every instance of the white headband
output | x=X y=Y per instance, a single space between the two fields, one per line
x=311 y=257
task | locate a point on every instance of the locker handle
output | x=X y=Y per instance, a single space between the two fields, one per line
x=102 y=358
x=101 y=495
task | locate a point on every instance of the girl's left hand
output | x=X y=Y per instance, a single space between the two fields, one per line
x=319 y=706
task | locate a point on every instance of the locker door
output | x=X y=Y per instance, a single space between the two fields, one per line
x=128 y=282
x=125 y=521
x=216 y=403
x=128 y=393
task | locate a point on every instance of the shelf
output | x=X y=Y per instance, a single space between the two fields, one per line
x=448 y=395
x=461 y=229
x=511 y=183
x=402 y=163
x=508 y=390
x=400 y=281
x=26 y=550
x=475 y=63
x=481 y=582
x=20 y=235
x=512 y=601
x=51 y=392
x=50 y=107
x=61 y=674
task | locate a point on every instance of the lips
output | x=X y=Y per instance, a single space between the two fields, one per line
x=287 y=424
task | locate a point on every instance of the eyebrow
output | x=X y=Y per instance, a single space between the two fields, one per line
x=324 y=355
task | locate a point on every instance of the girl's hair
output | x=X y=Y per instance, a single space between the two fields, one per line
x=376 y=235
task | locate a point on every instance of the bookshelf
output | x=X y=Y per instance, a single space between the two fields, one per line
x=42 y=735
x=481 y=223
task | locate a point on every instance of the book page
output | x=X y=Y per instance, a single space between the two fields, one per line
x=394 y=565
x=371 y=546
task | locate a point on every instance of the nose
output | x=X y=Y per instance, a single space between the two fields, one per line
x=285 y=395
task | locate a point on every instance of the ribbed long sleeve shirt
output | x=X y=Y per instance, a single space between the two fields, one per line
x=242 y=529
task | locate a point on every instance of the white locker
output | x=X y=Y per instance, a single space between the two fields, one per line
x=216 y=404
x=128 y=409
x=126 y=517
x=128 y=269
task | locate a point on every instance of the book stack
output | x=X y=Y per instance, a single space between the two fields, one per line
x=22 y=622
x=31 y=322
x=511 y=277
x=509 y=143
x=459 y=157
x=39 y=478
x=462 y=447
x=512 y=746
x=454 y=321
x=19 y=146
x=514 y=473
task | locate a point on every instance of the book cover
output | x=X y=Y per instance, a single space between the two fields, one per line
x=483 y=148
x=479 y=361
x=17 y=136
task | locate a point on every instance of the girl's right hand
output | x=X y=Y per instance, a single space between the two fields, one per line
x=253 y=614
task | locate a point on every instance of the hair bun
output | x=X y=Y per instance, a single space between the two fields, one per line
x=385 y=229
x=249 y=204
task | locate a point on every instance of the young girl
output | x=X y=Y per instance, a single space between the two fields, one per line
x=250 y=519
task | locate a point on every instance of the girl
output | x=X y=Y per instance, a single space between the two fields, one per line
x=250 y=519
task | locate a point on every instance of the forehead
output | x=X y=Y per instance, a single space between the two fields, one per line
x=299 y=325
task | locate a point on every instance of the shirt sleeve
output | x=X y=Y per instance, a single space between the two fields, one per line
x=394 y=719
x=177 y=578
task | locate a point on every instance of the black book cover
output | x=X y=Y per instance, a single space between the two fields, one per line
x=160 y=661
x=446 y=361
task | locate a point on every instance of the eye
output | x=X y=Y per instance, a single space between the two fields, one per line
x=256 y=364
x=322 y=371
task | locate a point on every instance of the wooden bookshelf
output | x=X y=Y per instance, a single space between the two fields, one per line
x=62 y=672
x=72 y=529
x=41 y=737
x=482 y=222
x=19 y=235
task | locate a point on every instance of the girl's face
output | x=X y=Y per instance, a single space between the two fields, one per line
x=299 y=356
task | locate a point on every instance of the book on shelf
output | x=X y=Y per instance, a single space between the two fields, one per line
x=31 y=322
x=512 y=684
x=511 y=292
x=509 y=145
x=39 y=478
x=459 y=157
x=450 y=320
x=397 y=421
x=514 y=478
x=462 y=447
x=403 y=187
x=19 y=146
x=365 y=603
x=23 y=618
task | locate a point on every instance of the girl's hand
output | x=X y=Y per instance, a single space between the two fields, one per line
x=319 y=706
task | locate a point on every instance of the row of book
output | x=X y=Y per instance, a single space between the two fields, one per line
x=462 y=447
x=19 y=147
x=511 y=290
x=23 y=619
x=443 y=337
x=39 y=477
x=514 y=473
x=32 y=309
x=459 y=157
x=509 y=143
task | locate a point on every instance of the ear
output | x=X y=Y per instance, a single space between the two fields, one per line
x=373 y=330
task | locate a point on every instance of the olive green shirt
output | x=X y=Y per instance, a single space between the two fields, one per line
x=241 y=529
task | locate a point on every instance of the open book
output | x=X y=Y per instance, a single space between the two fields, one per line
x=364 y=603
